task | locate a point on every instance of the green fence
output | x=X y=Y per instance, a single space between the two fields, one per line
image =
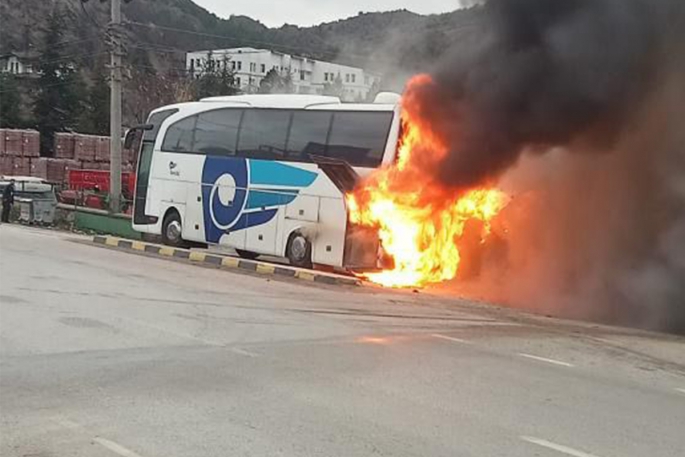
x=98 y=221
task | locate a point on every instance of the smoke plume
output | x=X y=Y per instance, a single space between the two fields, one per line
x=577 y=107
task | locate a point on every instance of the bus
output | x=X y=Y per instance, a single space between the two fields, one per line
x=264 y=174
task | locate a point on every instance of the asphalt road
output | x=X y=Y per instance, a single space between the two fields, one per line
x=105 y=353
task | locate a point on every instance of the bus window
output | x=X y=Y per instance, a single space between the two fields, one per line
x=156 y=122
x=308 y=134
x=179 y=137
x=216 y=132
x=263 y=134
x=359 y=137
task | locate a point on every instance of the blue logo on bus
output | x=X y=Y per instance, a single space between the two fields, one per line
x=240 y=193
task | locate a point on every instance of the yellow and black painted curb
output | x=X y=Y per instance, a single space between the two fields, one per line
x=221 y=261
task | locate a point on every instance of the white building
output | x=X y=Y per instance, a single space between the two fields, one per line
x=308 y=76
x=16 y=64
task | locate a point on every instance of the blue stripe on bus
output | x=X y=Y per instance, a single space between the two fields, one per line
x=269 y=173
x=253 y=219
x=270 y=197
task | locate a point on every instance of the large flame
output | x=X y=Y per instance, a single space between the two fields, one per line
x=420 y=222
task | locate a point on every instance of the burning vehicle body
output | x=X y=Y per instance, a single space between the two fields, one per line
x=552 y=142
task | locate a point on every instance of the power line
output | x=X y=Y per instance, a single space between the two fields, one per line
x=76 y=41
x=63 y=83
x=87 y=14
x=295 y=49
x=74 y=57
x=224 y=37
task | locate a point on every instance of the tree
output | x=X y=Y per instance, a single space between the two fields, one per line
x=335 y=88
x=373 y=90
x=288 y=85
x=274 y=83
x=217 y=78
x=147 y=90
x=96 y=119
x=58 y=103
x=270 y=82
x=10 y=102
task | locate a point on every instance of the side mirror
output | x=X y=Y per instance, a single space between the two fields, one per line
x=130 y=138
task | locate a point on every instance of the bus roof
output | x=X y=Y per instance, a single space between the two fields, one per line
x=292 y=101
x=284 y=101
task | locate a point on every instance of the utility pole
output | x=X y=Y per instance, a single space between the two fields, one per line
x=115 y=108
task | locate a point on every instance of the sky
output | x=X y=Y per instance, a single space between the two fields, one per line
x=275 y=13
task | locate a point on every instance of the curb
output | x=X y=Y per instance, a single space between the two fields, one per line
x=224 y=262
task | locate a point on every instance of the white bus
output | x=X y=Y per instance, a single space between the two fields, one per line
x=246 y=172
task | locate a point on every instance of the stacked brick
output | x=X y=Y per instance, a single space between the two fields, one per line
x=20 y=154
x=18 y=149
x=92 y=152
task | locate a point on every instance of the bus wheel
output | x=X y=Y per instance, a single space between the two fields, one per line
x=299 y=251
x=249 y=255
x=172 y=230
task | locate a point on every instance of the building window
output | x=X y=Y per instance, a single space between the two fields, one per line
x=237 y=80
x=263 y=68
x=354 y=78
x=302 y=75
x=240 y=65
x=347 y=77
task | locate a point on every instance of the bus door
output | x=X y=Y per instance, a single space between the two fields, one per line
x=147 y=146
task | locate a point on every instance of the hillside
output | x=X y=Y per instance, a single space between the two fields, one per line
x=385 y=42
x=157 y=33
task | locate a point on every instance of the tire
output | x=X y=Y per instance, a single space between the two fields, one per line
x=249 y=255
x=172 y=230
x=299 y=251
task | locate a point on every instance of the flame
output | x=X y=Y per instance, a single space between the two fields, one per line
x=419 y=221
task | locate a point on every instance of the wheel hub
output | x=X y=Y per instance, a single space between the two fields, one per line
x=299 y=248
x=173 y=231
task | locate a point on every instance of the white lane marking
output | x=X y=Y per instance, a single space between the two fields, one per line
x=556 y=447
x=682 y=391
x=244 y=352
x=450 y=338
x=544 y=359
x=115 y=447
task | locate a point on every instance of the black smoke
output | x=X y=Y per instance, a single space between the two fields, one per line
x=577 y=107
x=545 y=73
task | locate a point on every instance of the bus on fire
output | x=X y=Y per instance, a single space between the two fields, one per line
x=264 y=174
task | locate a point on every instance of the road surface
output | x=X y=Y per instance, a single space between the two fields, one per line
x=105 y=353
